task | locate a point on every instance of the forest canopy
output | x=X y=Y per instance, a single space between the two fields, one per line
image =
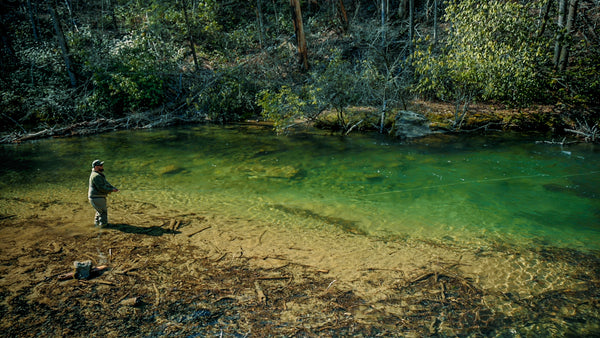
x=346 y=64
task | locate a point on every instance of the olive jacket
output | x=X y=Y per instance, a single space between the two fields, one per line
x=99 y=186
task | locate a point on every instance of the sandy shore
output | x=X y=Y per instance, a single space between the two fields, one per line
x=183 y=274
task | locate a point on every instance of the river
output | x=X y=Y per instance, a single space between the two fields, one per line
x=462 y=189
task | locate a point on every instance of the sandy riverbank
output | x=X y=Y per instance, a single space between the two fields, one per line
x=210 y=274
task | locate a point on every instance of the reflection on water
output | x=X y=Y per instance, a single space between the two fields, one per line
x=463 y=189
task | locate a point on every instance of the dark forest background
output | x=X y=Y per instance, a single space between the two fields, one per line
x=344 y=64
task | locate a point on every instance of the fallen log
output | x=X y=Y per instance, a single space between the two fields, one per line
x=102 y=125
x=95 y=272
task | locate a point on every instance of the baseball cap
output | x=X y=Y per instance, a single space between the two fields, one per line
x=97 y=163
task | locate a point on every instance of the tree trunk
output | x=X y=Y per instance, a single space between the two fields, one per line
x=383 y=11
x=564 y=53
x=60 y=36
x=343 y=15
x=562 y=4
x=68 y=5
x=402 y=9
x=545 y=17
x=259 y=16
x=299 y=29
x=32 y=20
x=411 y=25
x=435 y=19
x=190 y=35
x=382 y=117
x=387 y=8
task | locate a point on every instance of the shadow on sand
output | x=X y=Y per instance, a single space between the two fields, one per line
x=132 y=229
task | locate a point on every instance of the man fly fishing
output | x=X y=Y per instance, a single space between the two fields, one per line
x=99 y=189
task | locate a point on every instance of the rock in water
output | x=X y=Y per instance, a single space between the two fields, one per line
x=171 y=169
x=410 y=124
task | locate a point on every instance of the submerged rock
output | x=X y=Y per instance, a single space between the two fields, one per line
x=171 y=170
x=410 y=124
x=284 y=172
x=573 y=190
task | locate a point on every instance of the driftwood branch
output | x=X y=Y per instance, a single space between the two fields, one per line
x=354 y=126
x=199 y=231
x=274 y=277
x=562 y=142
x=589 y=133
x=139 y=121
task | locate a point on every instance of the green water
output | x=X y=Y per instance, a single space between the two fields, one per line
x=461 y=189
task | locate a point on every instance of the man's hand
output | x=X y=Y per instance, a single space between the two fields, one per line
x=115 y=190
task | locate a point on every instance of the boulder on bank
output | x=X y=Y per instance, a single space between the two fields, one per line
x=409 y=124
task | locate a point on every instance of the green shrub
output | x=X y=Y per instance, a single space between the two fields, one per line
x=229 y=96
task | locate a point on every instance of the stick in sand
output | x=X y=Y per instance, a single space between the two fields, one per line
x=199 y=231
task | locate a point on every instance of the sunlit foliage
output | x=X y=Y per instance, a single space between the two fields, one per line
x=490 y=52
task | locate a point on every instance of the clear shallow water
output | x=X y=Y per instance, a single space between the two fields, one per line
x=462 y=189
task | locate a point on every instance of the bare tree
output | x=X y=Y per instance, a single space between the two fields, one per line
x=259 y=17
x=435 y=21
x=190 y=34
x=60 y=37
x=406 y=10
x=545 y=12
x=343 y=15
x=562 y=5
x=411 y=25
x=32 y=16
x=564 y=51
x=383 y=21
x=299 y=29
x=403 y=9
